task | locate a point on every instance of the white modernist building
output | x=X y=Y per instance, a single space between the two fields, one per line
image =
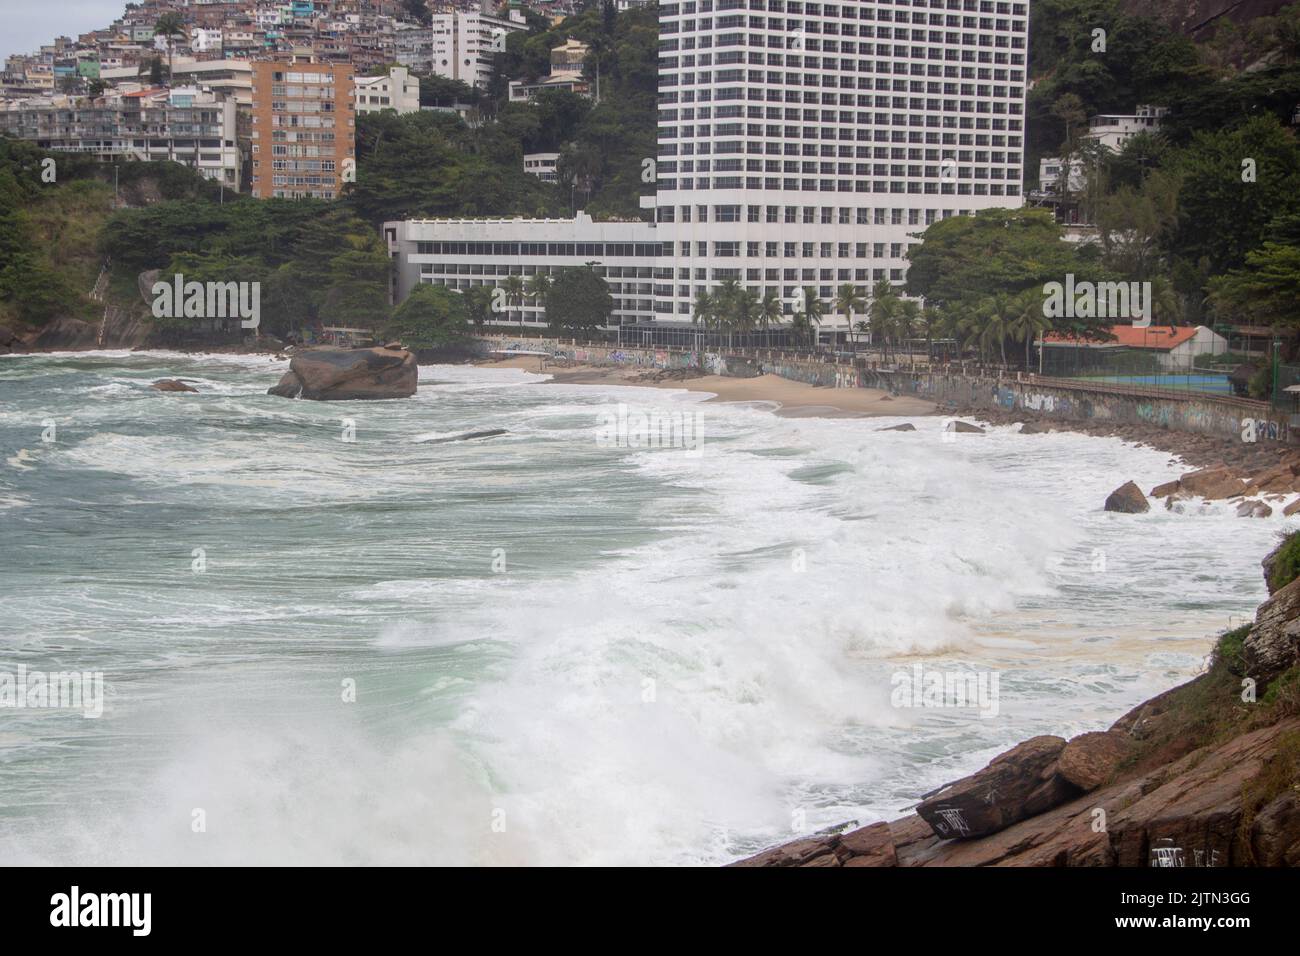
x=808 y=145
x=542 y=165
x=462 y=253
x=1113 y=130
x=394 y=90
x=464 y=44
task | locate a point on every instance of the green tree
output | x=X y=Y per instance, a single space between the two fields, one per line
x=1234 y=182
x=513 y=287
x=579 y=300
x=811 y=312
x=1027 y=319
x=432 y=316
x=538 y=288
x=881 y=312
x=704 y=311
x=995 y=250
x=478 y=305
x=849 y=299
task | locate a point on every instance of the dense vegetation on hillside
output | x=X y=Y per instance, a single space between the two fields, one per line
x=1206 y=209
x=1176 y=209
x=439 y=165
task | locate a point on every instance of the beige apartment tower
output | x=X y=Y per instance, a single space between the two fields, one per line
x=304 y=129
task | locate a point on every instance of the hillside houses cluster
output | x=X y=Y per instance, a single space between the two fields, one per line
x=259 y=96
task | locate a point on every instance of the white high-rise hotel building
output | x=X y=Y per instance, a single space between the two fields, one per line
x=809 y=144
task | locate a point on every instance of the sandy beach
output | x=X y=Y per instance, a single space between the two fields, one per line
x=789 y=399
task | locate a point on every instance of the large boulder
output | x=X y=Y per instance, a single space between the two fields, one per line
x=1253 y=508
x=172 y=385
x=1091 y=759
x=963 y=428
x=1127 y=499
x=1019 y=783
x=1211 y=483
x=337 y=374
x=1275 y=833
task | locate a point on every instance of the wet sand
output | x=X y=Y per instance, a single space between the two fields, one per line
x=787 y=398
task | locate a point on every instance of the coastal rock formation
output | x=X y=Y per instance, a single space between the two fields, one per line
x=964 y=428
x=905 y=427
x=1020 y=783
x=1189 y=813
x=1253 y=508
x=1195 y=777
x=172 y=385
x=868 y=846
x=1089 y=760
x=1127 y=499
x=338 y=374
x=1211 y=483
x=1275 y=835
x=1035 y=428
x=1273 y=643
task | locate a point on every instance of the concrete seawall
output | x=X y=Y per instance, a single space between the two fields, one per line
x=561 y=350
x=1052 y=399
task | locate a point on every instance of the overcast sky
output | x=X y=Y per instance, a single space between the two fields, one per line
x=29 y=23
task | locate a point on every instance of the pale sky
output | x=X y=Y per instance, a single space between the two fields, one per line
x=29 y=23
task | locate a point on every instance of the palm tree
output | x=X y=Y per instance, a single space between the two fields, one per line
x=170 y=24
x=514 y=289
x=727 y=305
x=1027 y=319
x=884 y=303
x=539 y=287
x=906 y=318
x=848 y=299
x=995 y=316
x=800 y=328
x=746 y=310
x=931 y=319
x=771 y=311
x=813 y=310
x=1166 y=303
x=705 y=310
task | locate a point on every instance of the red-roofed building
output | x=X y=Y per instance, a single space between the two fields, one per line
x=1175 y=347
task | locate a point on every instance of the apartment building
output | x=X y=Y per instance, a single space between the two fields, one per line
x=805 y=145
x=303 y=134
x=231 y=77
x=463 y=253
x=185 y=125
x=464 y=43
x=567 y=62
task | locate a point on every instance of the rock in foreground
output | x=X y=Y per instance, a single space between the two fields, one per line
x=1020 y=783
x=337 y=374
x=172 y=385
x=1128 y=499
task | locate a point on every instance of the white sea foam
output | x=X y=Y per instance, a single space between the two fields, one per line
x=672 y=659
